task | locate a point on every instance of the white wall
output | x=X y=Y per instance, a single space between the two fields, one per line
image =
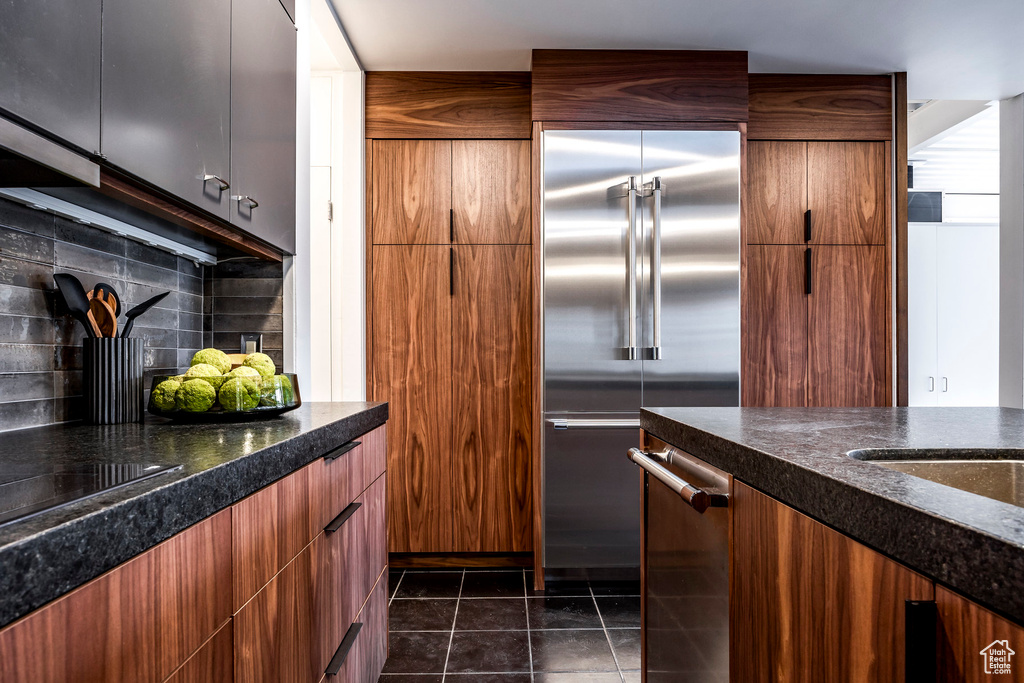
x=1011 y=253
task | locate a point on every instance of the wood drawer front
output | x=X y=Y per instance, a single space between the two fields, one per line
x=337 y=481
x=213 y=663
x=273 y=632
x=192 y=594
x=348 y=563
x=268 y=529
x=365 y=659
x=103 y=632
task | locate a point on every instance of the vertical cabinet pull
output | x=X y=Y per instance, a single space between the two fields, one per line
x=807 y=270
x=807 y=225
x=451 y=225
x=945 y=384
x=451 y=271
x=656 y=268
x=919 y=646
x=341 y=654
x=931 y=384
x=631 y=271
x=343 y=517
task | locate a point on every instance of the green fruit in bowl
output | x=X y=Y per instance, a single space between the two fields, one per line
x=277 y=392
x=164 y=393
x=239 y=393
x=214 y=357
x=207 y=373
x=260 y=362
x=246 y=371
x=195 y=396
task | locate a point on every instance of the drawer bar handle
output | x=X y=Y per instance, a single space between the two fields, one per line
x=696 y=498
x=341 y=450
x=338 y=660
x=342 y=518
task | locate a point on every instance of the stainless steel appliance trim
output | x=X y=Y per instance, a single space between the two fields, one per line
x=631 y=270
x=566 y=423
x=33 y=147
x=696 y=498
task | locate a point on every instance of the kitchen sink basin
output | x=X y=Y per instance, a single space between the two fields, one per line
x=996 y=473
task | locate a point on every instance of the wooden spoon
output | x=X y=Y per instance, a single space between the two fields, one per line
x=103 y=314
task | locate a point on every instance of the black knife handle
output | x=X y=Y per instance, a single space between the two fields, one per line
x=807 y=225
x=807 y=270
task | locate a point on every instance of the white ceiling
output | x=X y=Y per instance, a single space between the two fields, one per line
x=951 y=49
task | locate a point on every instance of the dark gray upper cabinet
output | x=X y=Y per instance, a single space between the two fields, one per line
x=167 y=96
x=50 y=66
x=263 y=121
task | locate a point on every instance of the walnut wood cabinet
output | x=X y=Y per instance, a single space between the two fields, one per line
x=263 y=591
x=815 y=320
x=450 y=340
x=967 y=631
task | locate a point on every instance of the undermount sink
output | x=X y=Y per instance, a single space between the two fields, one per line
x=996 y=473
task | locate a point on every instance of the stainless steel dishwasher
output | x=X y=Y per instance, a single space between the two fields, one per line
x=685 y=566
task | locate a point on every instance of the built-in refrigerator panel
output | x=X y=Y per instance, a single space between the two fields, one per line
x=586 y=285
x=694 y=177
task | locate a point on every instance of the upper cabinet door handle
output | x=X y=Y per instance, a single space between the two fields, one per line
x=247 y=200
x=807 y=270
x=221 y=183
x=807 y=225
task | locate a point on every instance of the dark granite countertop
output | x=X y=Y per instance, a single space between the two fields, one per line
x=48 y=554
x=967 y=542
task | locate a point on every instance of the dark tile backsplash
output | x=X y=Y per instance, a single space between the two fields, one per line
x=244 y=295
x=40 y=343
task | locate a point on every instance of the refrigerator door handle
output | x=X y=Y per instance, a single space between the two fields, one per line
x=631 y=270
x=656 y=267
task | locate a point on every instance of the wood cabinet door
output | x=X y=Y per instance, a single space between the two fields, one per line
x=774 y=327
x=411 y=368
x=846 y=192
x=491 y=191
x=775 y=196
x=273 y=632
x=847 y=327
x=213 y=663
x=966 y=633
x=411 y=186
x=491 y=352
x=809 y=604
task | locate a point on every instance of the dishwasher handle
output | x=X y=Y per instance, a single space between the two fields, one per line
x=696 y=498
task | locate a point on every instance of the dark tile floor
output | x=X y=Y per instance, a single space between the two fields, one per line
x=485 y=626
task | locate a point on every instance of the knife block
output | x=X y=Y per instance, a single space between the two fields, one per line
x=112 y=380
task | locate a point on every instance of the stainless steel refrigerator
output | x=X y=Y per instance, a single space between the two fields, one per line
x=641 y=271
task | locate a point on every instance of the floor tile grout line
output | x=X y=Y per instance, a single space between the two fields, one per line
x=395 y=592
x=607 y=637
x=451 y=636
x=529 y=637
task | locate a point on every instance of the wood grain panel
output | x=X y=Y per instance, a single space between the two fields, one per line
x=491 y=352
x=412 y=363
x=335 y=483
x=820 y=107
x=411 y=191
x=268 y=529
x=193 y=596
x=365 y=660
x=447 y=104
x=213 y=663
x=774 y=327
x=437 y=560
x=491 y=191
x=847 y=323
x=103 y=632
x=639 y=85
x=133 y=194
x=965 y=629
x=775 y=197
x=846 y=192
x=809 y=604
x=273 y=632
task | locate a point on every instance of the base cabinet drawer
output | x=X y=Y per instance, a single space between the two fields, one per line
x=214 y=662
x=363 y=659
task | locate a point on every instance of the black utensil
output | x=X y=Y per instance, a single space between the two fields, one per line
x=106 y=292
x=78 y=303
x=130 y=316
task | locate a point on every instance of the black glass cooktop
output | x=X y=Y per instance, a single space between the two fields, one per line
x=26 y=489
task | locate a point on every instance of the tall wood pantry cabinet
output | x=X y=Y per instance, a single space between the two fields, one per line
x=816 y=328
x=450 y=340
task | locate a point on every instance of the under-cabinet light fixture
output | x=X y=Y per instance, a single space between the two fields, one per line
x=44 y=202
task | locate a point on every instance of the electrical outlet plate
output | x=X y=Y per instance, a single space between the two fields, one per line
x=251 y=342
